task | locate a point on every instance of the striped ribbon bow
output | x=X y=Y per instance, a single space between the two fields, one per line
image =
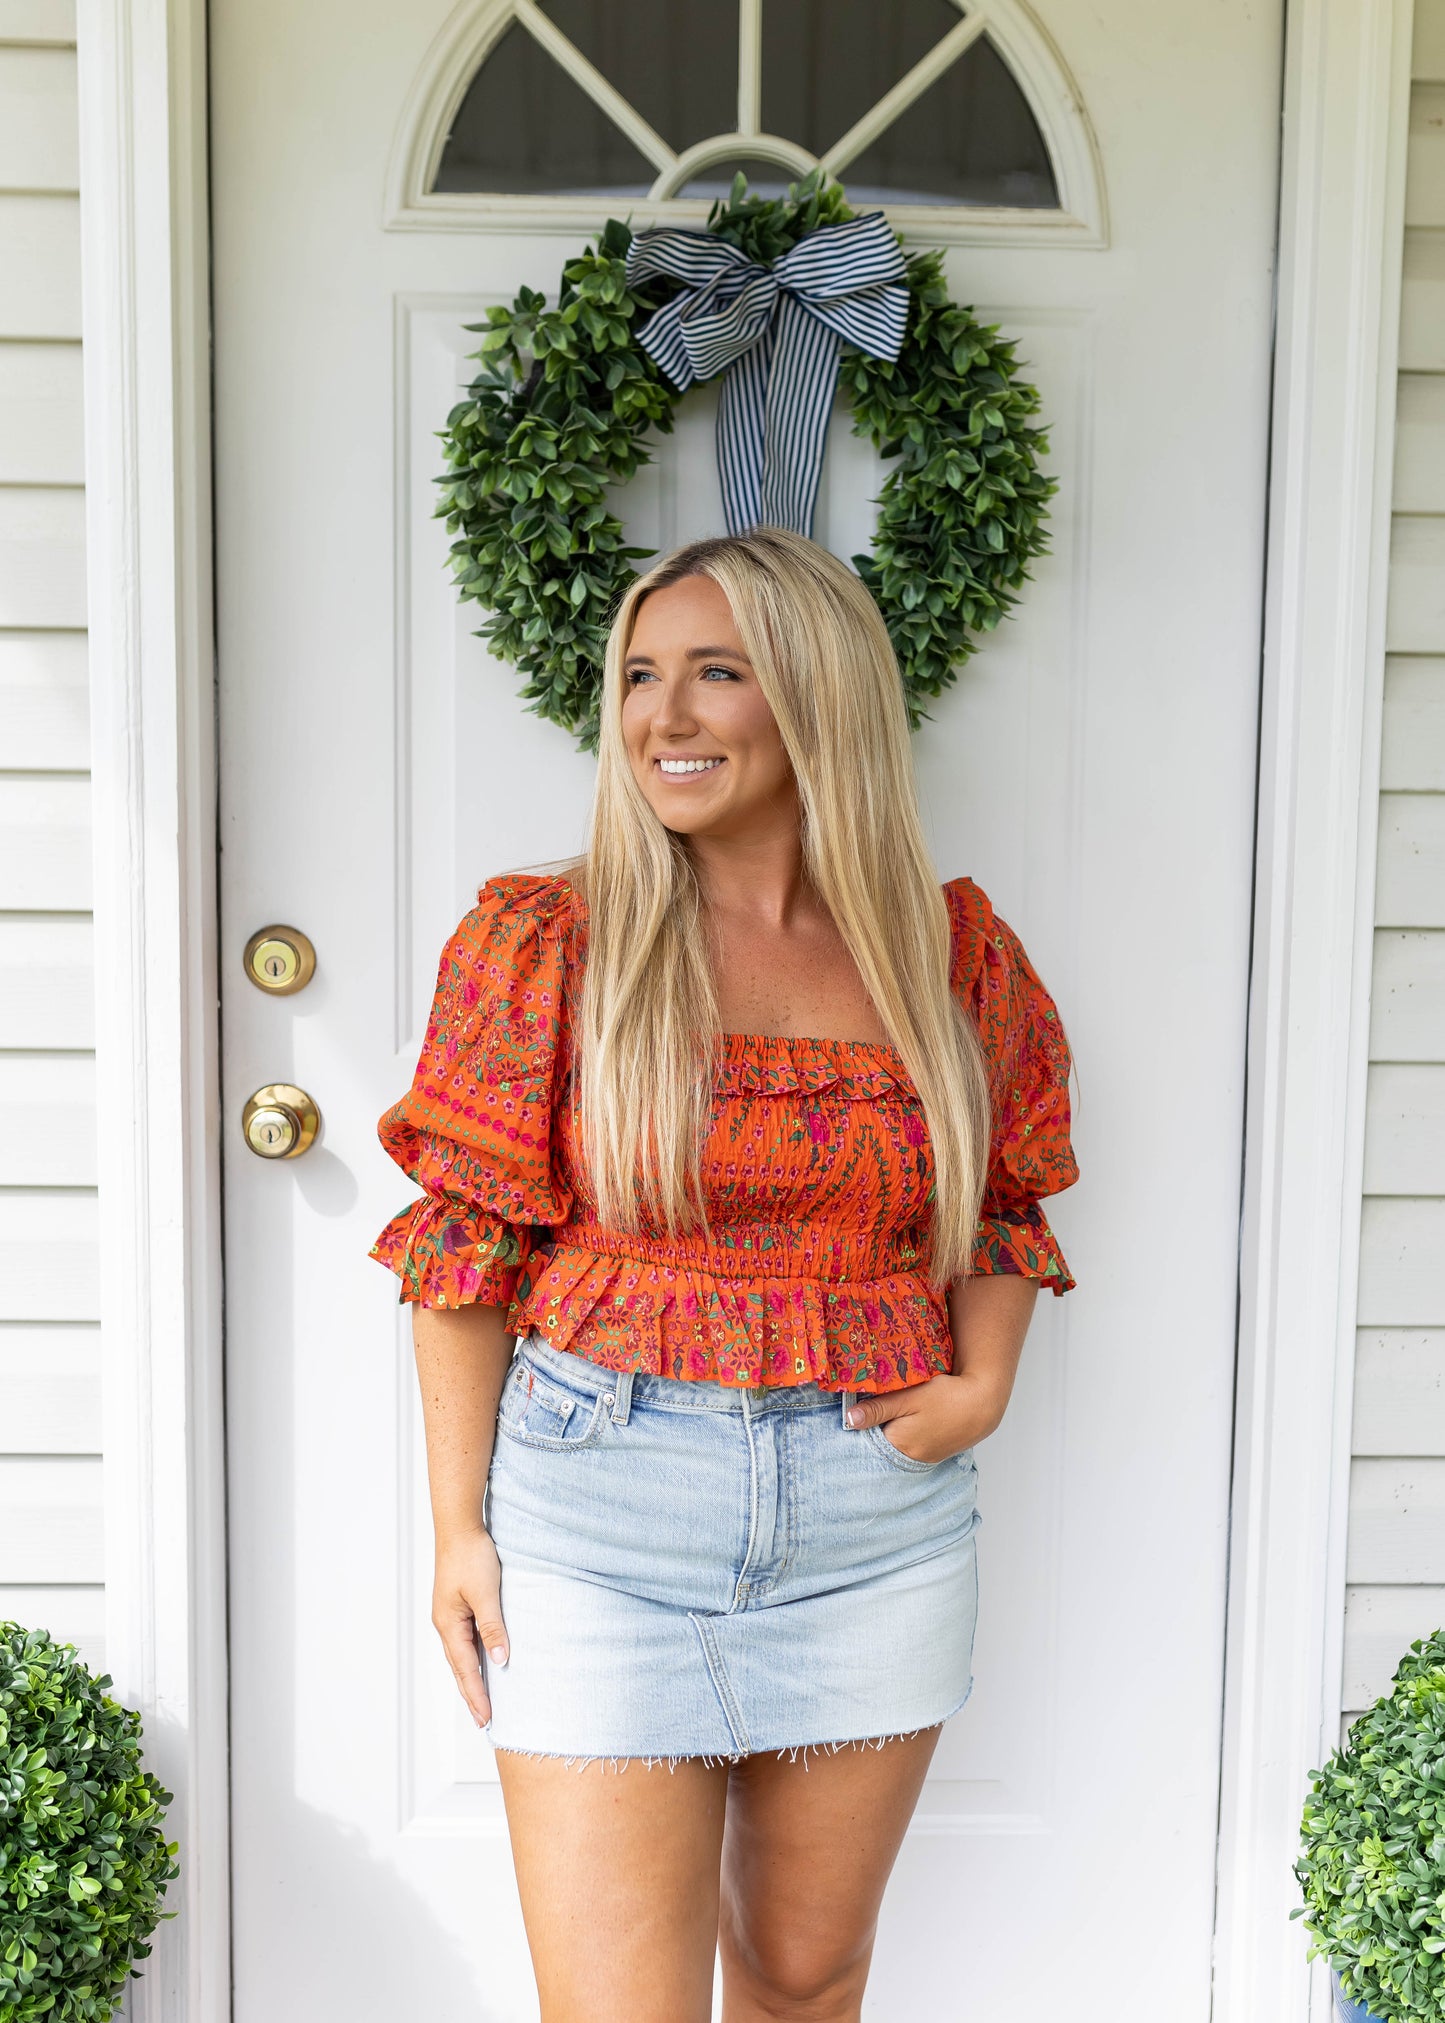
x=777 y=332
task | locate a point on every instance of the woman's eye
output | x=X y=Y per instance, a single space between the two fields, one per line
x=636 y=676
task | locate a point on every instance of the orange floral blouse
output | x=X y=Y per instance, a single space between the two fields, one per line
x=816 y=1170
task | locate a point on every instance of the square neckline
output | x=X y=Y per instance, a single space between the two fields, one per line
x=744 y=1041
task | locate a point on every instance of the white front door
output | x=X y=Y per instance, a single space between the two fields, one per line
x=1093 y=769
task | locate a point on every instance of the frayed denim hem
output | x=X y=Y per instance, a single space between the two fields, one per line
x=792 y=1753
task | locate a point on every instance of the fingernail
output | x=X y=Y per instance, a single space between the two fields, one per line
x=853 y=1417
x=498 y=1654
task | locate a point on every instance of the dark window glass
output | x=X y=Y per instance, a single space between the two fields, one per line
x=825 y=62
x=674 y=61
x=525 y=126
x=970 y=139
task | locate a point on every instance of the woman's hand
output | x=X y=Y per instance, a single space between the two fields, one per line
x=466 y=1611
x=930 y=1421
x=989 y=1317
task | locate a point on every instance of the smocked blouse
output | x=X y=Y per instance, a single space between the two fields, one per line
x=816 y=1170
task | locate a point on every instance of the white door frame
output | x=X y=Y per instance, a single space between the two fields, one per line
x=145 y=325
x=147 y=397
x=1342 y=207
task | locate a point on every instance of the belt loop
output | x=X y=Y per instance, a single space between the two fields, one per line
x=621 y=1396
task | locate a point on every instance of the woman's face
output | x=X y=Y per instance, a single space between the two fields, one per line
x=704 y=745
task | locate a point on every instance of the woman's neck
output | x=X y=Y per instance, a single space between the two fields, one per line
x=759 y=877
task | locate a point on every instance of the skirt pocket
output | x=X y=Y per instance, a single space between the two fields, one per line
x=883 y=1445
x=538 y=1413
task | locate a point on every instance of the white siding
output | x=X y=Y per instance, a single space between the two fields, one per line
x=40 y=418
x=1413 y=758
x=50 y=1389
x=1402 y=1243
x=42 y=554
x=1429 y=61
x=44 y=843
x=1420 y=440
x=44 y=698
x=1407 y=1009
x=1381 y=1623
x=1422 y=302
x=37 y=119
x=1404 y=1128
x=49 y=1255
x=51 y=1555
x=47 y=984
x=1396 y=1557
x=1400 y=1392
x=47 y=1121
x=39 y=265
x=38 y=22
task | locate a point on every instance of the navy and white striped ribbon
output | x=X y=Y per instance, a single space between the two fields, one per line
x=777 y=332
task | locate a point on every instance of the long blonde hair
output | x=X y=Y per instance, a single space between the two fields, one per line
x=648 y=1017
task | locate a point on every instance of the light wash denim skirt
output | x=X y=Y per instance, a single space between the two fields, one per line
x=691 y=1569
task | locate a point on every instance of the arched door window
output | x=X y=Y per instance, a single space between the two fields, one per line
x=923 y=106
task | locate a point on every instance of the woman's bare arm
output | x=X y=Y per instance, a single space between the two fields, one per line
x=989 y=1316
x=462 y=1355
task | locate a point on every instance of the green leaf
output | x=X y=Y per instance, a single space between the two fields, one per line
x=83 y=1860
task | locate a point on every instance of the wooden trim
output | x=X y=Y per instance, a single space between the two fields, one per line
x=147 y=425
x=750 y=67
x=704 y=154
x=1341 y=237
x=1038 y=68
x=924 y=225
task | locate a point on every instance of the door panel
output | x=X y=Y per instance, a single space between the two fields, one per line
x=1093 y=769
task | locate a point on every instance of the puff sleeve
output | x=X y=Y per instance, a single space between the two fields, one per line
x=1024 y=1044
x=474 y=1131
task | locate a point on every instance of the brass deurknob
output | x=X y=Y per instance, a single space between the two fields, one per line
x=280 y=960
x=280 y=1121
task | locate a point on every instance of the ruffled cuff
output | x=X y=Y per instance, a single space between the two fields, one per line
x=1020 y=1242
x=448 y=1255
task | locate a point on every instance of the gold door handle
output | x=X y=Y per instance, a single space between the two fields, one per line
x=280 y=1121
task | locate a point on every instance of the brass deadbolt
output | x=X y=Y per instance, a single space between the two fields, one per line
x=280 y=1121
x=280 y=960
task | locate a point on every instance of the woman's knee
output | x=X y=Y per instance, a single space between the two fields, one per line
x=793 y=1973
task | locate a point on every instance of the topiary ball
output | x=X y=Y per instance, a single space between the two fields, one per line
x=1373 y=1863
x=83 y=1859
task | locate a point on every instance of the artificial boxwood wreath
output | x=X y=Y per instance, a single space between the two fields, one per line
x=566 y=401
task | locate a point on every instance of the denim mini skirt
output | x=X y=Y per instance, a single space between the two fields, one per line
x=693 y=1569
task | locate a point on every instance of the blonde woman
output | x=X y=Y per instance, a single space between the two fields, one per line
x=741 y=1125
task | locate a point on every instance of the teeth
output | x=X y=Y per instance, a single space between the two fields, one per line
x=688 y=765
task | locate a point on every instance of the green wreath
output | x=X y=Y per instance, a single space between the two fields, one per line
x=566 y=400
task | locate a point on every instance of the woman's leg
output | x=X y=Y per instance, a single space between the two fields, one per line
x=807 y=1854
x=618 y=1871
